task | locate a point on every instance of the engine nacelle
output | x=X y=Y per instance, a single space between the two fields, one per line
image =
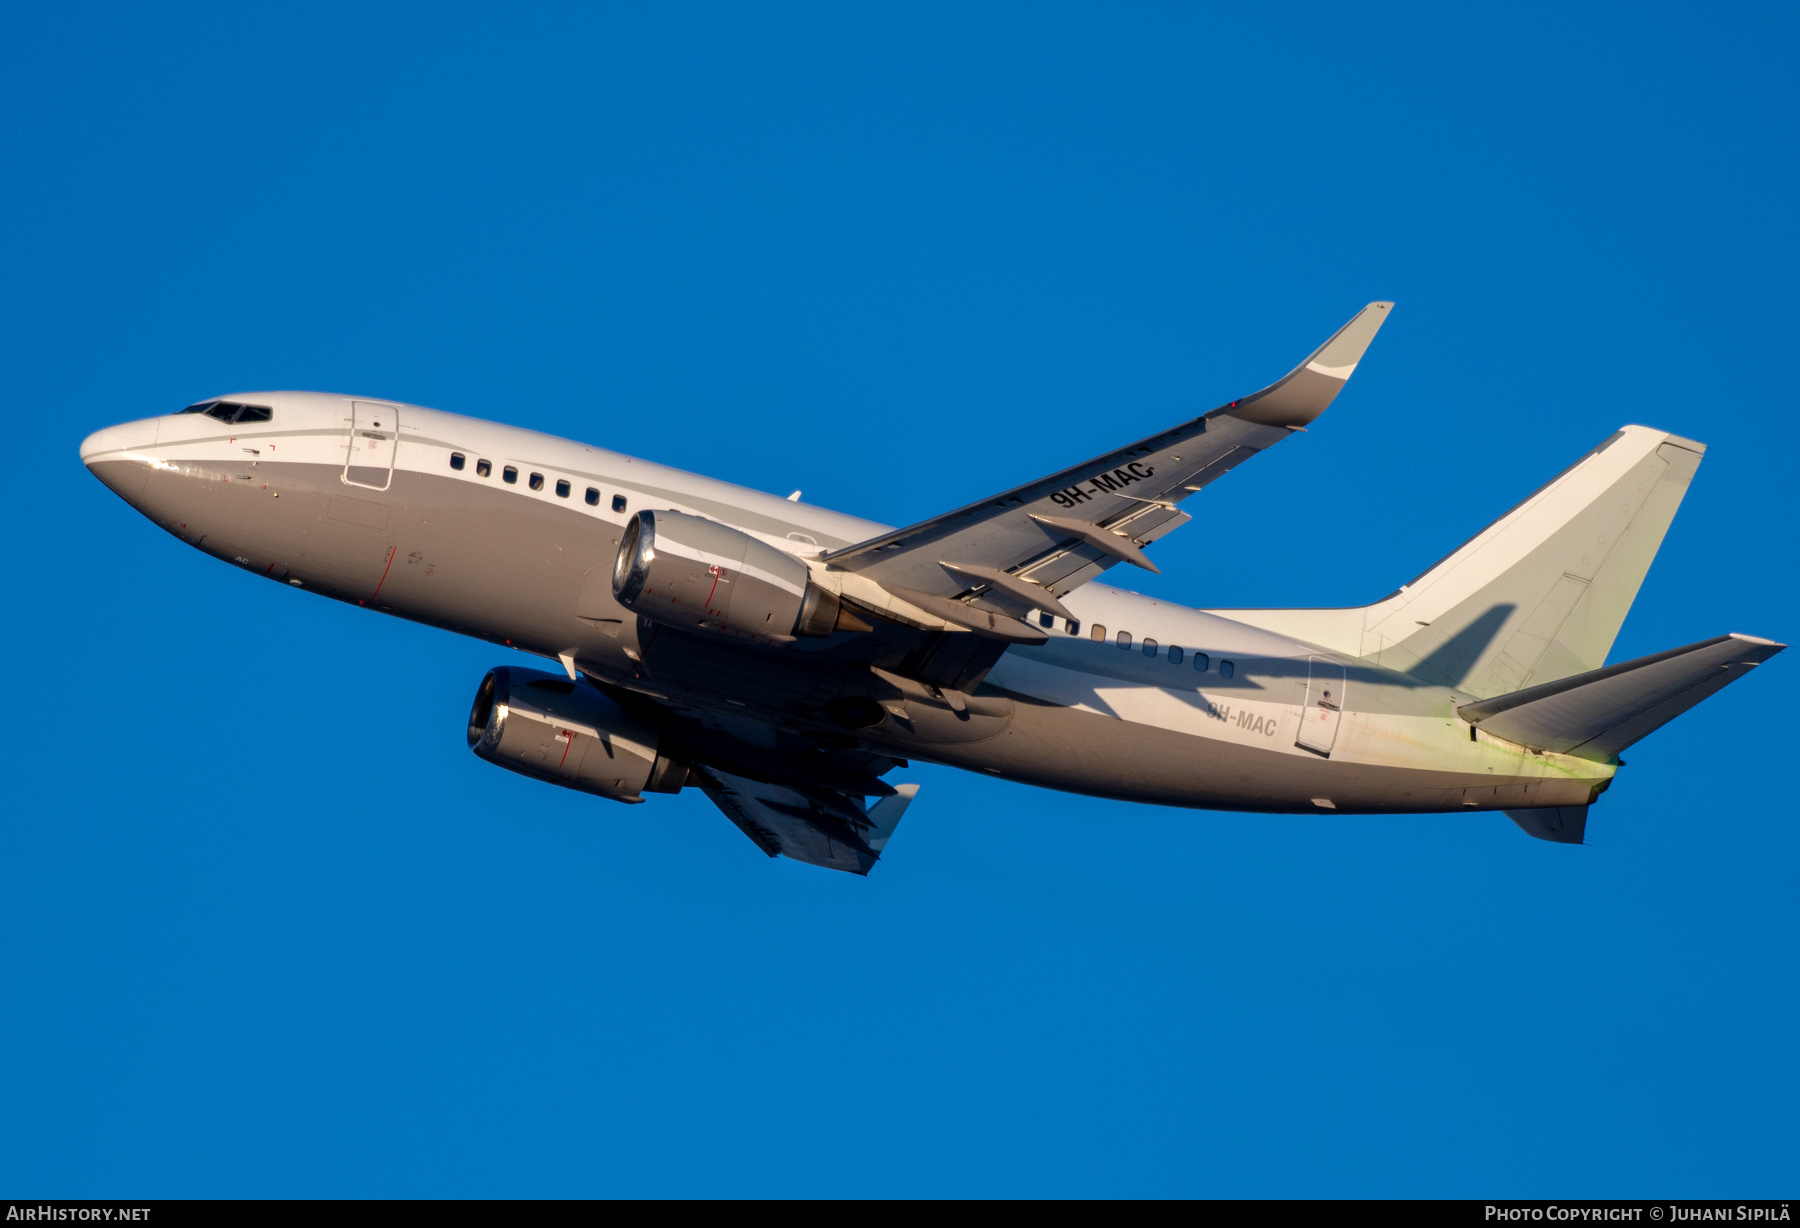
x=687 y=571
x=570 y=734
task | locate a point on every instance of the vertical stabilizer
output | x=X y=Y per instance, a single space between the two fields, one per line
x=1541 y=593
x=1536 y=596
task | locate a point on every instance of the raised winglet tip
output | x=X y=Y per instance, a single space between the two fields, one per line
x=1680 y=441
x=1777 y=645
x=1293 y=401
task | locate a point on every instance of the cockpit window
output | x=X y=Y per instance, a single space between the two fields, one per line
x=230 y=411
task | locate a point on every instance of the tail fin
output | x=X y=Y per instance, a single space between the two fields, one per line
x=1596 y=715
x=1539 y=594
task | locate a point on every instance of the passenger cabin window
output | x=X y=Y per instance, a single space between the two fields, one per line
x=1124 y=639
x=1149 y=647
x=562 y=489
x=1074 y=626
x=1201 y=662
x=1046 y=620
x=509 y=474
x=593 y=497
x=1226 y=669
x=230 y=411
x=1098 y=634
x=537 y=481
x=1174 y=655
x=484 y=468
x=457 y=460
x=618 y=503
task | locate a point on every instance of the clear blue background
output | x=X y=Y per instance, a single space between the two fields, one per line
x=269 y=928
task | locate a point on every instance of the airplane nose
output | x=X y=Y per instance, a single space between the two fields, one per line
x=114 y=442
x=120 y=457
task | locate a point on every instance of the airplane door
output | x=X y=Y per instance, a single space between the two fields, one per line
x=1323 y=706
x=374 y=434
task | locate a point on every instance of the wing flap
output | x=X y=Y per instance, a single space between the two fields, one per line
x=1065 y=569
x=1107 y=541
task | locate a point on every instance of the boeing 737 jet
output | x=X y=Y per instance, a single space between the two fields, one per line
x=785 y=659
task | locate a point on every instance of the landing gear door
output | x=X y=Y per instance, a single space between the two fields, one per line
x=1323 y=706
x=374 y=434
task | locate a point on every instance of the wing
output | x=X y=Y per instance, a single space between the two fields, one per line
x=806 y=823
x=1022 y=549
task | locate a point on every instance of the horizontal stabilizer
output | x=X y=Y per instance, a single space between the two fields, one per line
x=1557 y=824
x=821 y=827
x=1598 y=714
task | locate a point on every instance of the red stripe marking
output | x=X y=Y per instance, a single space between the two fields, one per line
x=717 y=572
x=385 y=570
x=566 y=746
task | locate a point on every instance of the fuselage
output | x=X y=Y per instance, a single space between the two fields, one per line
x=510 y=535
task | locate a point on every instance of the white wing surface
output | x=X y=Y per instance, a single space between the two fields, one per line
x=1022 y=549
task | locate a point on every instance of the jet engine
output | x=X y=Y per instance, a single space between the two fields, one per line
x=687 y=571
x=570 y=734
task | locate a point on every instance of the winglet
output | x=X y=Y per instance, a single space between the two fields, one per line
x=1305 y=392
x=885 y=814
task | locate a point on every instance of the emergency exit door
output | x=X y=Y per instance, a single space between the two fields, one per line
x=1323 y=706
x=374 y=434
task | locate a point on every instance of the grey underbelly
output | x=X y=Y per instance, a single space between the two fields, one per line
x=1084 y=752
x=470 y=560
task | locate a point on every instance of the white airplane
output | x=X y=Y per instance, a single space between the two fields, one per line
x=784 y=658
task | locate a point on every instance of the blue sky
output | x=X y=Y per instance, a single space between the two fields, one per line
x=270 y=928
